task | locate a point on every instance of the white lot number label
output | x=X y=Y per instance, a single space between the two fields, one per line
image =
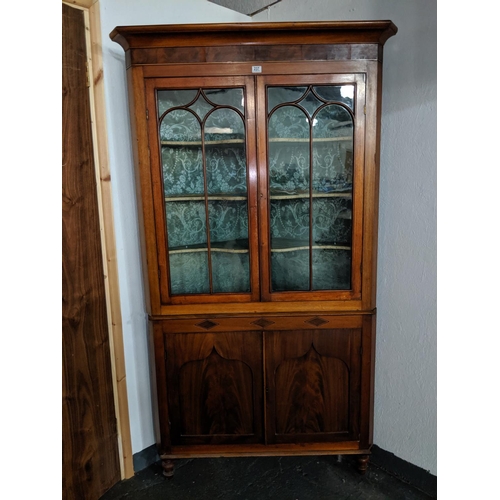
x=256 y=69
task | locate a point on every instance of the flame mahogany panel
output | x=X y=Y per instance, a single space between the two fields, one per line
x=313 y=385
x=215 y=387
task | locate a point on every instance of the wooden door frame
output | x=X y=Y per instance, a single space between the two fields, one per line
x=91 y=9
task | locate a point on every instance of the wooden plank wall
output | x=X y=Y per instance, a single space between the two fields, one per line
x=90 y=443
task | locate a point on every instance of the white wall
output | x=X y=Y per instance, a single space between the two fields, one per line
x=405 y=387
x=405 y=390
x=122 y=13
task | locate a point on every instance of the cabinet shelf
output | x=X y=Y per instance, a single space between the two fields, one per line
x=301 y=195
x=306 y=247
x=274 y=196
x=198 y=143
x=307 y=140
x=280 y=245
x=200 y=197
x=274 y=140
x=230 y=246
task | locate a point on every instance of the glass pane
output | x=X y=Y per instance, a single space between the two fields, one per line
x=228 y=223
x=337 y=93
x=224 y=125
x=186 y=224
x=182 y=170
x=289 y=122
x=332 y=205
x=182 y=160
x=187 y=244
x=296 y=262
x=225 y=153
x=172 y=98
x=186 y=159
x=332 y=150
x=333 y=121
x=229 y=245
x=332 y=221
x=290 y=270
x=289 y=166
x=201 y=107
x=226 y=97
x=288 y=151
x=231 y=272
x=180 y=126
x=189 y=272
x=311 y=103
x=331 y=269
x=289 y=220
x=280 y=95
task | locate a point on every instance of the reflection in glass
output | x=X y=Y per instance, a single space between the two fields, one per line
x=226 y=97
x=310 y=103
x=205 y=137
x=336 y=93
x=189 y=273
x=290 y=270
x=168 y=99
x=331 y=269
x=311 y=196
x=231 y=272
x=280 y=95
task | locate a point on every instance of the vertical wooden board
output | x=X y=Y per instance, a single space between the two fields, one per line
x=252 y=176
x=90 y=447
x=162 y=411
x=144 y=188
x=105 y=201
x=367 y=380
x=371 y=179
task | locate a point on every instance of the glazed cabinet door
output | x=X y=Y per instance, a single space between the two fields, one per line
x=203 y=177
x=214 y=386
x=311 y=143
x=313 y=385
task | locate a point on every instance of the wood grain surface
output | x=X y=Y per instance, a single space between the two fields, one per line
x=90 y=448
x=313 y=380
x=215 y=387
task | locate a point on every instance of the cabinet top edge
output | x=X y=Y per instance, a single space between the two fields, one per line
x=169 y=35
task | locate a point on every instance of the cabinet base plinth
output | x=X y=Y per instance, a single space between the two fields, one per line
x=214 y=451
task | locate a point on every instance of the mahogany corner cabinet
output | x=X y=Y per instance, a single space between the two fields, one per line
x=257 y=152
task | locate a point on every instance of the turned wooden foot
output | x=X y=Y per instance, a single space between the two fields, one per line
x=363 y=463
x=168 y=468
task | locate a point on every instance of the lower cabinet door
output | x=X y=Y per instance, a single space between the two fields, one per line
x=214 y=386
x=313 y=385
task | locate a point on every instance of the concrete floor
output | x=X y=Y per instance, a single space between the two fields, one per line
x=280 y=478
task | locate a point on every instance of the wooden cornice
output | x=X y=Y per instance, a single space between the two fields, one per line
x=327 y=32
